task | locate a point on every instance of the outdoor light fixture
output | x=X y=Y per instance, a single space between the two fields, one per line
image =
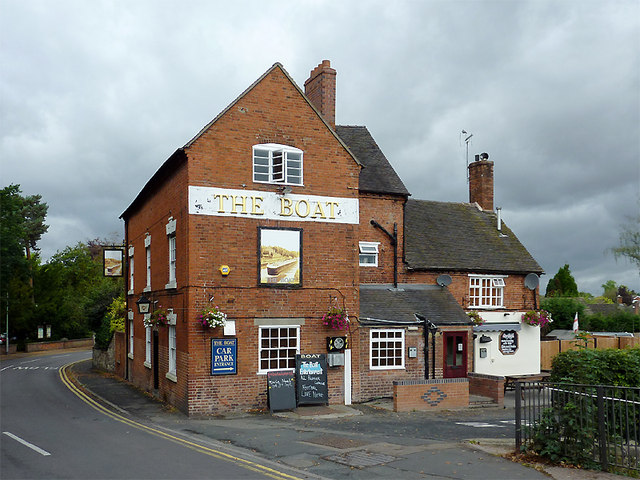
x=143 y=305
x=485 y=339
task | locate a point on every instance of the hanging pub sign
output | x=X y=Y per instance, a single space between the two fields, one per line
x=224 y=356
x=113 y=262
x=311 y=378
x=508 y=343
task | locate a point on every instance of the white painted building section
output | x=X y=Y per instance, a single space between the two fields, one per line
x=494 y=357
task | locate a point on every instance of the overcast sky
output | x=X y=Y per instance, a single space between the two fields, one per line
x=95 y=95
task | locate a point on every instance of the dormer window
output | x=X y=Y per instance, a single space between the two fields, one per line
x=273 y=163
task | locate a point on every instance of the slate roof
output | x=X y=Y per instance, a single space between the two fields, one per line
x=377 y=176
x=383 y=302
x=460 y=237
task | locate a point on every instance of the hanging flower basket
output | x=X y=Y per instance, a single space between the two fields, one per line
x=537 y=319
x=475 y=318
x=158 y=318
x=336 y=318
x=212 y=317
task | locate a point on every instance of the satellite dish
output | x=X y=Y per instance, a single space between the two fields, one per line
x=443 y=280
x=531 y=281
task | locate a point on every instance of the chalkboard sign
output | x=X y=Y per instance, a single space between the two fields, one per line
x=508 y=342
x=311 y=378
x=281 y=390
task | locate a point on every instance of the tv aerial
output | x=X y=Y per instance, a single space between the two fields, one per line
x=467 y=140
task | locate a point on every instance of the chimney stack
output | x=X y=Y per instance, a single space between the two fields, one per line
x=320 y=89
x=481 y=181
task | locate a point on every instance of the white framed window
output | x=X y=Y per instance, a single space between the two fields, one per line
x=131 y=291
x=172 y=352
x=147 y=348
x=274 y=163
x=386 y=349
x=486 y=291
x=368 y=254
x=277 y=347
x=171 y=236
x=147 y=251
x=130 y=338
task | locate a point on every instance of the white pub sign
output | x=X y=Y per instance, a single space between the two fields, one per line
x=224 y=202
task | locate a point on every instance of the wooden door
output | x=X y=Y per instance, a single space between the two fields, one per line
x=455 y=354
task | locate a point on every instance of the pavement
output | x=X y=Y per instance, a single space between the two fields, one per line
x=335 y=441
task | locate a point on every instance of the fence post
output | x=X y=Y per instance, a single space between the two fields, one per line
x=602 y=431
x=518 y=415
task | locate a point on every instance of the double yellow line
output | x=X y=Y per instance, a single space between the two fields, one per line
x=269 y=472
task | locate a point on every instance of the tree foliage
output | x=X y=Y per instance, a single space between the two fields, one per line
x=562 y=284
x=562 y=311
x=629 y=242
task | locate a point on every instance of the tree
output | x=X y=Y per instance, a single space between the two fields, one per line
x=562 y=284
x=629 y=245
x=562 y=311
x=610 y=290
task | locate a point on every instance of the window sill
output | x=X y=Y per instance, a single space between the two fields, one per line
x=146 y=289
x=130 y=292
x=130 y=355
x=172 y=376
x=147 y=364
x=171 y=285
x=386 y=368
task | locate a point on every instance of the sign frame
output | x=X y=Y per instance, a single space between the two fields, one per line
x=225 y=365
x=506 y=345
x=114 y=257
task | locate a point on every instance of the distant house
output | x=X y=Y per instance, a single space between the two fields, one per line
x=276 y=216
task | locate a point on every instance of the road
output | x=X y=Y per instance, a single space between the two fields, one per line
x=48 y=430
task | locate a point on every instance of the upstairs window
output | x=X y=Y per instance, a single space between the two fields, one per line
x=486 y=292
x=273 y=163
x=368 y=254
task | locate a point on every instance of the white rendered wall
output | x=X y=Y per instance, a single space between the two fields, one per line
x=526 y=360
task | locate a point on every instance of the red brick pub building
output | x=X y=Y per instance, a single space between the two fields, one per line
x=275 y=216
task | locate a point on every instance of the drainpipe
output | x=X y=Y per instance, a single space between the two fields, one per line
x=394 y=242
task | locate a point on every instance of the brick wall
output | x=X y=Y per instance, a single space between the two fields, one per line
x=273 y=111
x=516 y=295
x=487 y=386
x=384 y=209
x=430 y=394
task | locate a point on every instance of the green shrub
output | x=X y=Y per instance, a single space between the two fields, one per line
x=112 y=321
x=598 y=367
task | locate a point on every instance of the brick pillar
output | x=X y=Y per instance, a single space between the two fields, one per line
x=481 y=182
x=320 y=89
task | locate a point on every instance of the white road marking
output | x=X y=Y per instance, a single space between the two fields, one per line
x=27 y=444
x=479 y=424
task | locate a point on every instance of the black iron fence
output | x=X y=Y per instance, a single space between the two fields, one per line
x=584 y=424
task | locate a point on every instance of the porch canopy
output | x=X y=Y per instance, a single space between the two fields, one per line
x=385 y=305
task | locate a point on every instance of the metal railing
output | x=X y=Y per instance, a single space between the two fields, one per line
x=595 y=423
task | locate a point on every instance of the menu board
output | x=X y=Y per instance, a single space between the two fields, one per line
x=281 y=390
x=311 y=378
x=508 y=342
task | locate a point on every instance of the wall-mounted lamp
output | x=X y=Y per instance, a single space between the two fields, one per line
x=485 y=339
x=285 y=190
x=144 y=304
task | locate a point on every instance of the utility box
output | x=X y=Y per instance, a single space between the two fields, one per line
x=335 y=359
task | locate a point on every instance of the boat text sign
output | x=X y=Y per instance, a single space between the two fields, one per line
x=225 y=202
x=224 y=356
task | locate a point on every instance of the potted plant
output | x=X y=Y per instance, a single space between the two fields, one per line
x=212 y=317
x=537 y=319
x=336 y=318
x=475 y=317
x=157 y=318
